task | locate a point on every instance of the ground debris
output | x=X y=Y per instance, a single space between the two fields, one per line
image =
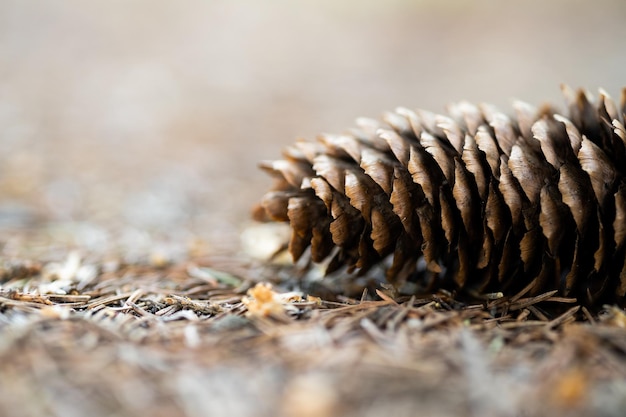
x=197 y=306
x=263 y=301
x=173 y=326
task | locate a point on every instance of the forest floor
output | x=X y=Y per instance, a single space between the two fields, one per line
x=208 y=335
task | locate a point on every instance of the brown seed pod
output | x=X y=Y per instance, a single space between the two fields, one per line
x=473 y=200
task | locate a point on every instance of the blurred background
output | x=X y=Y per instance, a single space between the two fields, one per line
x=148 y=117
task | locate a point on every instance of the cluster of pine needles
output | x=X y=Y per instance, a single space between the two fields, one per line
x=210 y=336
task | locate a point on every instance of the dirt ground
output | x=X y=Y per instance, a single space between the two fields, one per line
x=130 y=133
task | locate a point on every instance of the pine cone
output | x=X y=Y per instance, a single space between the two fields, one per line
x=473 y=200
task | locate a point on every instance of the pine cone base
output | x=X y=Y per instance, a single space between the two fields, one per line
x=472 y=201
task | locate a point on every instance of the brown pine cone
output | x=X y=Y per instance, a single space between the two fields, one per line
x=473 y=200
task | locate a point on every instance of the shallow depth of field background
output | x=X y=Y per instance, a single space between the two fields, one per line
x=148 y=117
